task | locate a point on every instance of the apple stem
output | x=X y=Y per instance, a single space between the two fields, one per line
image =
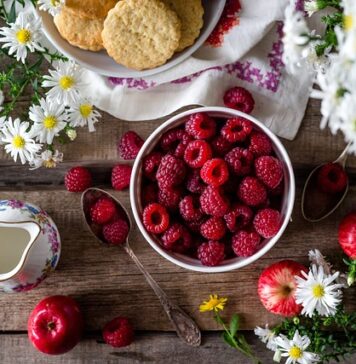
x=51 y=326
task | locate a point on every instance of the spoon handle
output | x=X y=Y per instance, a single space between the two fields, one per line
x=185 y=326
x=343 y=156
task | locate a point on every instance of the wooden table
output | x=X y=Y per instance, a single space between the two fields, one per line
x=107 y=284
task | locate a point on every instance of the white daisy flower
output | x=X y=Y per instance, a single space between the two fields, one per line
x=295 y=349
x=311 y=6
x=23 y=35
x=2 y=126
x=51 y=6
x=47 y=159
x=82 y=113
x=267 y=336
x=18 y=140
x=65 y=83
x=349 y=14
x=49 y=119
x=72 y=134
x=315 y=292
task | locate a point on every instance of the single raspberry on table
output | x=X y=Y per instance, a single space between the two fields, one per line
x=269 y=170
x=245 y=243
x=77 y=179
x=221 y=146
x=239 y=98
x=214 y=202
x=155 y=218
x=332 y=178
x=175 y=141
x=120 y=176
x=211 y=253
x=129 y=145
x=177 y=238
x=197 y=153
x=240 y=161
x=200 y=126
x=252 y=192
x=170 y=197
x=239 y=217
x=150 y=165
x=118 y=332
x=213 y=229
x=260 y=144
x=236 y=129
x=149 y=193
x=215 y=172
x=171 y=172
x=189 y=208
x=194 y=184
x=103 y=211
x=267 y=222
x=116 y=233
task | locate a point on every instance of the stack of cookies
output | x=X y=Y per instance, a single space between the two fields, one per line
x=138 y=34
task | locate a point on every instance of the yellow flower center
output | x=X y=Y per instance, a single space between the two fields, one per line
x=49 y=163
x=49 y=122
x=295 y=352
x=348 y=22
x=23 y=36
x=18 y=142
x=85 y=110
x=318 y=291
x=66 y=82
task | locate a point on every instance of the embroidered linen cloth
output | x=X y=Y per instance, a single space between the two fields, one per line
x=244 y=50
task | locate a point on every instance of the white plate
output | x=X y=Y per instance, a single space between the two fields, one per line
x=101 y=63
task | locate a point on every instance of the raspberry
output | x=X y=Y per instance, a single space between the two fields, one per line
x=150 y=165
x=118 y=332
x=252 y=192
x=103 y=211
x=194 y=183
x=269 y=170
x=245 y=243
x=77 y=179
x=155 y=218
x=194 y=226
x=200 y=126
x=213 y=229
x=177 y=238
x=236 y=129
x=260 y=144
x=120 y=176
x=129 y=145
x=239 y=98
x=240 y=161
x=267 y=222
x=215 y=172
x=213 y=201
x=211 y=253
x=239 y=217
x=171 y=172
x=197 y=153
x=182 y=146
x=116 y=233
x=189 y=208
x=221 y=146
x=175 y=141
x=149 y=194
x=332 y=178
x=170 y=198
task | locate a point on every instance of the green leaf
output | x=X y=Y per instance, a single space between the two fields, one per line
x=229 y=340
x=11 y=17
x=234 y=324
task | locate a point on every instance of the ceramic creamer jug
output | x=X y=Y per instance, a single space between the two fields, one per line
x=29 y=246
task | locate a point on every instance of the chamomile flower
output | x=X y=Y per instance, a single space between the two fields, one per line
x=295 y=350
x=49 y=119
x=18 y=140
x=47 y=159
x=349 y=14
x=65 y=83
x=82 y=113
x=22 y=36
x=215 y=303
x=312 y=6
x=315 y=292
x=267 y=336
x=52 y=6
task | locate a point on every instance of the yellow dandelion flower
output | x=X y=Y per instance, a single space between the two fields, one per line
x=214 y=304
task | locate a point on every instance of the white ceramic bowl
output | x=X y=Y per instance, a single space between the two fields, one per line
x=101 y=63
x=188 y=262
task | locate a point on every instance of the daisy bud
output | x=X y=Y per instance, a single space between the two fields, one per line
x=72 y=134
x=277 y=356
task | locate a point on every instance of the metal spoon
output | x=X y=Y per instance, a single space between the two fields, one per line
x=313 y=198
x=184 y=325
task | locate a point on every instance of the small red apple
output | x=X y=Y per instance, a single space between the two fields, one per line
x=276 y=287
x=55 y=325
x=347 y=235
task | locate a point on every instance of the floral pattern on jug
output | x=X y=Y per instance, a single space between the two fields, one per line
x=43 y=255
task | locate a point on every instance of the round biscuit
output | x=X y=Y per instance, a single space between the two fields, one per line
x=92 y=9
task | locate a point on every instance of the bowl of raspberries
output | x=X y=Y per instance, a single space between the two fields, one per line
x=212 y=189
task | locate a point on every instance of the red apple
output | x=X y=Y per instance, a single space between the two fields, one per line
x=55 y=325
x=347 y=235
x=276 y=287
